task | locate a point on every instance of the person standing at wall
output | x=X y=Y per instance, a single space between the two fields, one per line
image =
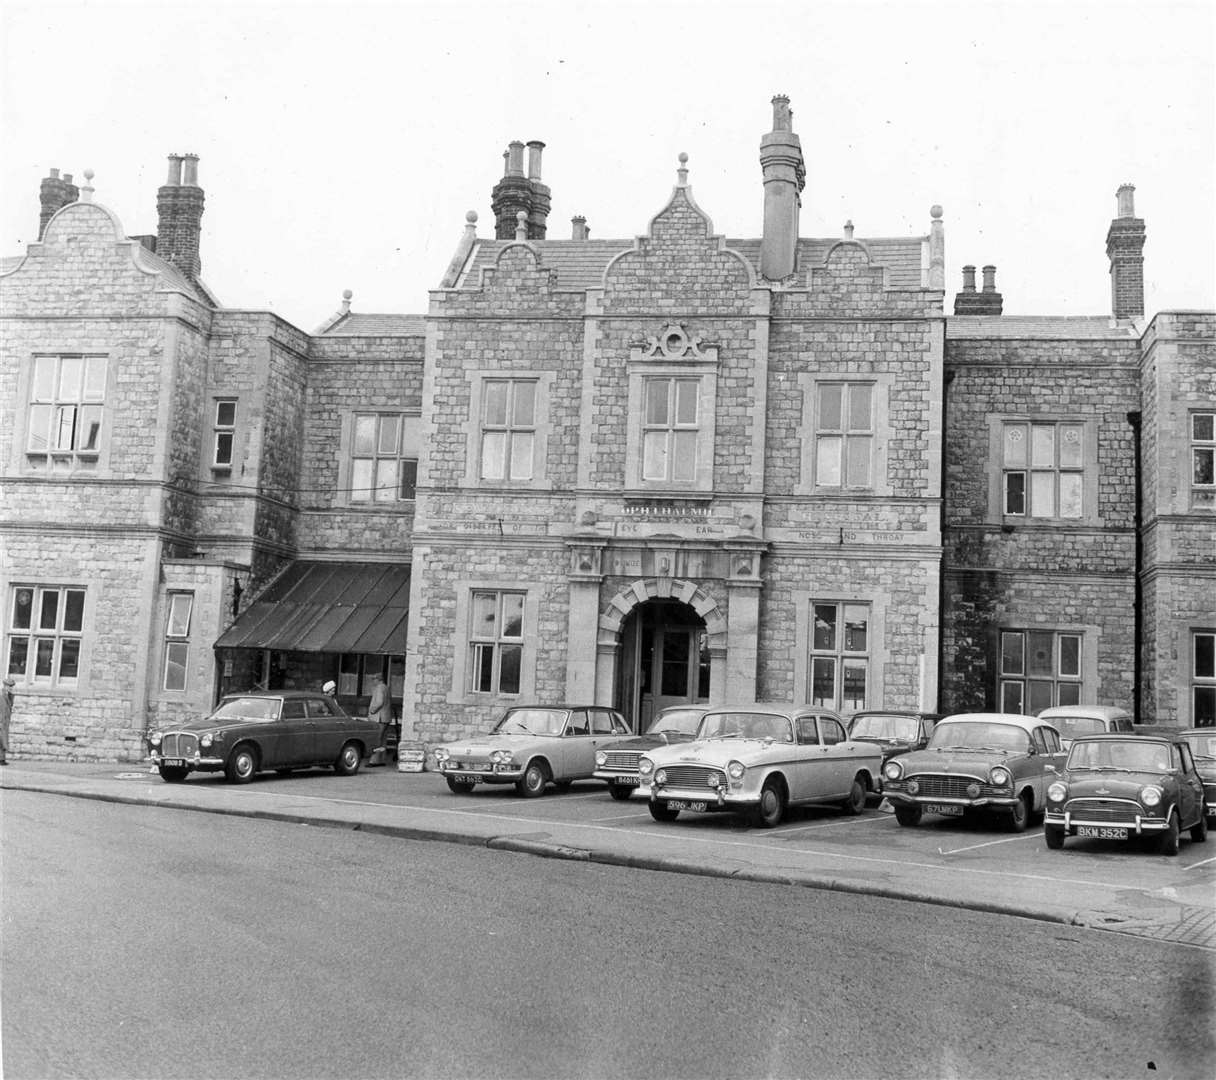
x=6 y=716
x=380 y=709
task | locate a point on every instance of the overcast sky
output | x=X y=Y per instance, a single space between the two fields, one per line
x=341 y=144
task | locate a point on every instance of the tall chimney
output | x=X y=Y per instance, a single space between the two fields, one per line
x=55 y=193
x=179 y=205
x=517 y=192
x=538 y=215
x=1125 y=249
x=970 y=302
x=578 y=225
x=784 y=178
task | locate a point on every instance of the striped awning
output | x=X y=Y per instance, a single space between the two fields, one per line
x=327 y=607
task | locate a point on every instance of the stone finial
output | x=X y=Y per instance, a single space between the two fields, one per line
x=848 y=229
x=521 y=225
x=86 y=192
x=346 y=298
x=682 y=171
x=937 y=249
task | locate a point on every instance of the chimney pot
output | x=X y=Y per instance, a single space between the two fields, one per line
x=175 y=171
x=190 y=175
x=578 y=228
x=54 y=174
x=968 y=279
x=1126 y=196
x=989 y=279
x=515 y=158
x=534 y=149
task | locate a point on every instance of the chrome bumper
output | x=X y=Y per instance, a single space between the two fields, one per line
x=195 y=762
x=1135 y=824
x=920 y=800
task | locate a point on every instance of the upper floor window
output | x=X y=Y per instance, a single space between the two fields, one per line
x=508 y=429
x=840 y=654
x=67 y=402
x=177 y=640
x=1039 y=669
x=1203 y=678
x=496 y=642
x=44 y=634
x=1203 y=457
x=384 y=461
x=670 y=430
x=844 y=435
x=1043 y=469
x=223 y=433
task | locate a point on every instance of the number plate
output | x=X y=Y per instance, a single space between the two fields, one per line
x=174 y=762
x=460 y=778
x=1102 y=832
x=684 y=804
x=949 y=809
x=626 y=780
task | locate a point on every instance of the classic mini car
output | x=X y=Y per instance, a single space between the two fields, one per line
x=894 y=731
x=1073 y=721
x=619 y=764
x=532 y=746
x=1117 y=787
x=976 y=761
x=1202 y=742
x=758 y=759
x=282 y=730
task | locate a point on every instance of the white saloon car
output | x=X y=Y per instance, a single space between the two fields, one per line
x=758 y=759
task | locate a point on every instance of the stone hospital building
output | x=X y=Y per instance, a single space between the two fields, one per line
x=670 y=467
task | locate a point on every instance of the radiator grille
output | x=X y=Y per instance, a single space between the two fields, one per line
x=694 y=776
x=179 y=744
x=1120 y=810
x=947 y=787
x=622 y=760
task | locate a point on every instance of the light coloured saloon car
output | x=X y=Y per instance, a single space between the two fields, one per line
x=756 y=760
x=531 y=747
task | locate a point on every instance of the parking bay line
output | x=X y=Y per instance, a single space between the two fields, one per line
x=990 y=843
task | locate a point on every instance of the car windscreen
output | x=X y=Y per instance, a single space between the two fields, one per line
x=884 y=726
x=684 y=722
x=745 y=725
x=1073 y=727
x=248 y=708
x=978 y=735
x=532 y=722
x=1138 y=755
x=1203 y=746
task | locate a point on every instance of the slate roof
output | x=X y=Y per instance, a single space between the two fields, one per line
x=359 y=324
x=1050 y=327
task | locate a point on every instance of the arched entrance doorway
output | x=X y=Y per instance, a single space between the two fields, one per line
x=665 y=660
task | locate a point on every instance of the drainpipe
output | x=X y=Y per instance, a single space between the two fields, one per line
x=1133 y=418
x=947 y=382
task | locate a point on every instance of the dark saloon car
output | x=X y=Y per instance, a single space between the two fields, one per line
x=895 y=731
x=277 y=729
x=1122 y=787
x=1202 y=742
x=619 y=764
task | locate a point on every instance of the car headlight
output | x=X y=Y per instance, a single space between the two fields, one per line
x=155 y=738
x=1057 y=792
x=645 y=767
x=1000 y=776
x=442 y=753
x=893 y=770
x=500 y=757
x=660 y=777
x=735 y=770
x=1150 y=796
x=601 y=759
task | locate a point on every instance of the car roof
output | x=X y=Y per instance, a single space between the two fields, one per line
x=896 y=712
x=775 y=708
x=1105 y=712
x=285 y=694
x=558 y=707
x=685 y=708
x=1130 y=736
x=1026 y=723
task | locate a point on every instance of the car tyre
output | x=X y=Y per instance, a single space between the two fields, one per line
x=856 y=802
x=532 y=784
x=349 y=759
x=173 y=774
x=771 y=808
x=1199 y=831
x=620 y=792
x=660 y=811
x=1019 y=814
x=1053 y=835
x=1167 y=843
x=908 y=815
x=242 y=765
x=458 y=787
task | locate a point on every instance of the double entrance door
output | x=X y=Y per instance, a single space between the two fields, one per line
x=665 y=656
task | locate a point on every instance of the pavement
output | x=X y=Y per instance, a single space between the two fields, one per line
x=1166 y=899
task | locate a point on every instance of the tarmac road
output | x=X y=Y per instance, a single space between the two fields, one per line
x=977 y=865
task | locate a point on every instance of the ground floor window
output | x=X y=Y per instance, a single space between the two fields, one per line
x=496 y=636
x=1203 y=678
x=177 y=640
x=840 y=654
x=356 y=672
x=1039 y=669
x=44 y=634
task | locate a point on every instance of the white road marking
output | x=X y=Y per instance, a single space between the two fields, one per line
x=990 y=843
x=1195 y=866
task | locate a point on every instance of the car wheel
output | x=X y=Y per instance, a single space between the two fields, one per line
x=660 y=811
x=1199 y=832
x=173 y=774
x=771 y=807
x=856 y=802
x=348 y=761
x=908 y=815
x=532 y=784
x=620 y=792
x=242 y=764
x=1019 y=815
x=1167 y=842
x=1054 y=836
x=459 y=787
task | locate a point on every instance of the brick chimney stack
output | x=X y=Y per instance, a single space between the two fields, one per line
x=970 y=302
x=516 y=193
x=784 y=178
x=179 y=206
x=55 y=193
x=1125 y=249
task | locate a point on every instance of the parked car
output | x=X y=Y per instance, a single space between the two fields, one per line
x=758 y=759
x=277 y=729
x=976 y=761
x=619 y=764
x=1119 y=787
x=1202 y=742
x=532 y=746
x=1073 y=721
x=894 y=731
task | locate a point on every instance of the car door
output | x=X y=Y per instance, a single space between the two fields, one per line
x=808 y=761
x=329 y=729
x=295 y=738
x=1048 y=750
x=1190 y=786
x=839 y=773
x=574 y=754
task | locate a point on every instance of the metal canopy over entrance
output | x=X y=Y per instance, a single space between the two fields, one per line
x=327 y=607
